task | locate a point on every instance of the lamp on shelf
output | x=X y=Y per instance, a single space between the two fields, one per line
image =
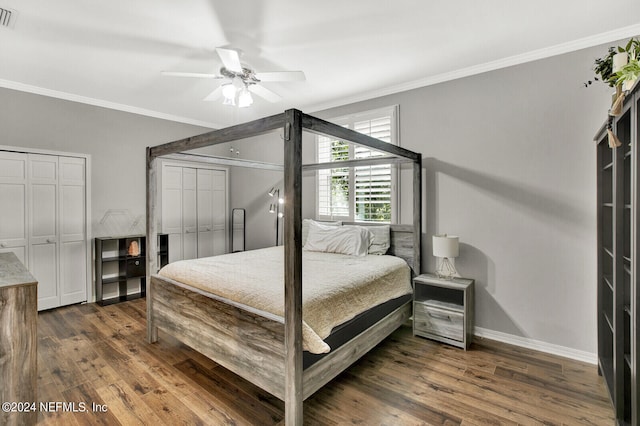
x=445 y=248
x=275 y=208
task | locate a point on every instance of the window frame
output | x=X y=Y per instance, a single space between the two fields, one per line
x=349 y=121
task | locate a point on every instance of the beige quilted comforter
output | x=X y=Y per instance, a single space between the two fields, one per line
x=335 y=287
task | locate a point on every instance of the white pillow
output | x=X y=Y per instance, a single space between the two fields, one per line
x=381 y=239
x=351 y=240
x=305 y=227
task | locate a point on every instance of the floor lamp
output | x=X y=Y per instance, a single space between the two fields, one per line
x=275 y=208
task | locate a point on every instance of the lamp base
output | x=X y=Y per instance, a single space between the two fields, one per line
x=445 y=269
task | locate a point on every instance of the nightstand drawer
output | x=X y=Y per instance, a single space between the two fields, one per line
x=440 y=322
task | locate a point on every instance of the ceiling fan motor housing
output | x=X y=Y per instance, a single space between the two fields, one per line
x=247 y=76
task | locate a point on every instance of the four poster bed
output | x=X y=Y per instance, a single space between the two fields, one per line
x=265 y=343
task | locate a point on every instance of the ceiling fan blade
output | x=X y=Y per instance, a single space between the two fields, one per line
x=215 y=95
x=264 y=93
x=230 y=59
x=281 y=76
x=190 y=74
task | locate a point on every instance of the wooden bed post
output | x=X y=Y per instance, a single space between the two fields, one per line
x=293 y=396
x=417 y=215
x=152 y=238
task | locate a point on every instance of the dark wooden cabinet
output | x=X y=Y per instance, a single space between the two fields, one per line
x=617 y=245
x=121 y=267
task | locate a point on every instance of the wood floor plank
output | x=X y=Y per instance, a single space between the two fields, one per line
x=229 y=392
x=446 y=399
x=170 y=410
x=86 y=393
x=126 y=405
x=100 y=354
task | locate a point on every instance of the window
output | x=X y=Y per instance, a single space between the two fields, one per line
x=359 y=194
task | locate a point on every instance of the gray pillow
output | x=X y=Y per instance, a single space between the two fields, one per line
x=381 y=239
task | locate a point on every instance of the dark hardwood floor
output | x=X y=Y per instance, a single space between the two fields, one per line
x=99 y=357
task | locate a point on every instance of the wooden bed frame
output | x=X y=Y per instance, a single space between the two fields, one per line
x=258 y=346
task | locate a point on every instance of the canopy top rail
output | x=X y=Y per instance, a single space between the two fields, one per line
x=274 y=122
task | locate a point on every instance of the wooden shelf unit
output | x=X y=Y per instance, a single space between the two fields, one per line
x=117 y=263
x=618 y=217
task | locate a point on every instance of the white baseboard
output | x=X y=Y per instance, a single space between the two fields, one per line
x=537 y=345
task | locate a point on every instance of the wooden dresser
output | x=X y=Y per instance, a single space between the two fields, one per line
x=18 y=338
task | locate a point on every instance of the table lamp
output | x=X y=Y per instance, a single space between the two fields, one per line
x=445 y=248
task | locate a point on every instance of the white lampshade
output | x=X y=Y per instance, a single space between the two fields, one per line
x=445 y=246
x=244 y=98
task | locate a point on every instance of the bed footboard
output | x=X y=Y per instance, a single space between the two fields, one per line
x=251 y=343
x=247 y=343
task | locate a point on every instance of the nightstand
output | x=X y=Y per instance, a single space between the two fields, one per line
x=443 y=309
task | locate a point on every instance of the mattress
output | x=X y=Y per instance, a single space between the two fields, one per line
x=335 y=287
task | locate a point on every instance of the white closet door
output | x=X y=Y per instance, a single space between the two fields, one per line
x=194 y=211
x=205 y=213
x=13 y=198
x=189 y=213
x=219 y=203
x=73 y=249
x=172 y=209
x=43 y=238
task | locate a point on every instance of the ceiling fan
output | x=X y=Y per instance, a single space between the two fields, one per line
x=240 y=80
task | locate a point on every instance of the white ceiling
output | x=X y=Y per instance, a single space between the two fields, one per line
x=111 y=53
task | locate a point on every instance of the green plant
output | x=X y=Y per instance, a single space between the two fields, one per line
x=633 y=49
x=603 y=67
x=629 y=72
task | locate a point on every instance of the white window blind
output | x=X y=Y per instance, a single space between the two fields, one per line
x=363 y=194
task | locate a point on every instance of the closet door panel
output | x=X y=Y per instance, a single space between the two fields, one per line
x=189 y=213
x=172 y=209
x=72 y=212
x=73 y=272
x=73 y=245
x=205 y=213
x=194 y=211
x=44 y=266
x=13 y=198
x=43 y=238
x=219 y=206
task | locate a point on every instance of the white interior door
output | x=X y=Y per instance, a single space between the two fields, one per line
x=73 y=245
x=194 y=210
x=43 y=227
x=13 y=197
x=219 y=203
x=189 y=213
x=172 y=209
x=205 y=213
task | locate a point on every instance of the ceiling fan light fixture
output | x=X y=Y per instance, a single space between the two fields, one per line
x=229 y=91
x=244 y=98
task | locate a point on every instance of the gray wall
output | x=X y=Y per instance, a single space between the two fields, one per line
x=509 y=167
x=115 y=140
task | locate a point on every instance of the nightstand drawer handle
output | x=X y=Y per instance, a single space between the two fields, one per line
x=440 y=316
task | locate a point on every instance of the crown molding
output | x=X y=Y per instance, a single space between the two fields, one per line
x=559 y=49
x=534 y=55
x=22 y=87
